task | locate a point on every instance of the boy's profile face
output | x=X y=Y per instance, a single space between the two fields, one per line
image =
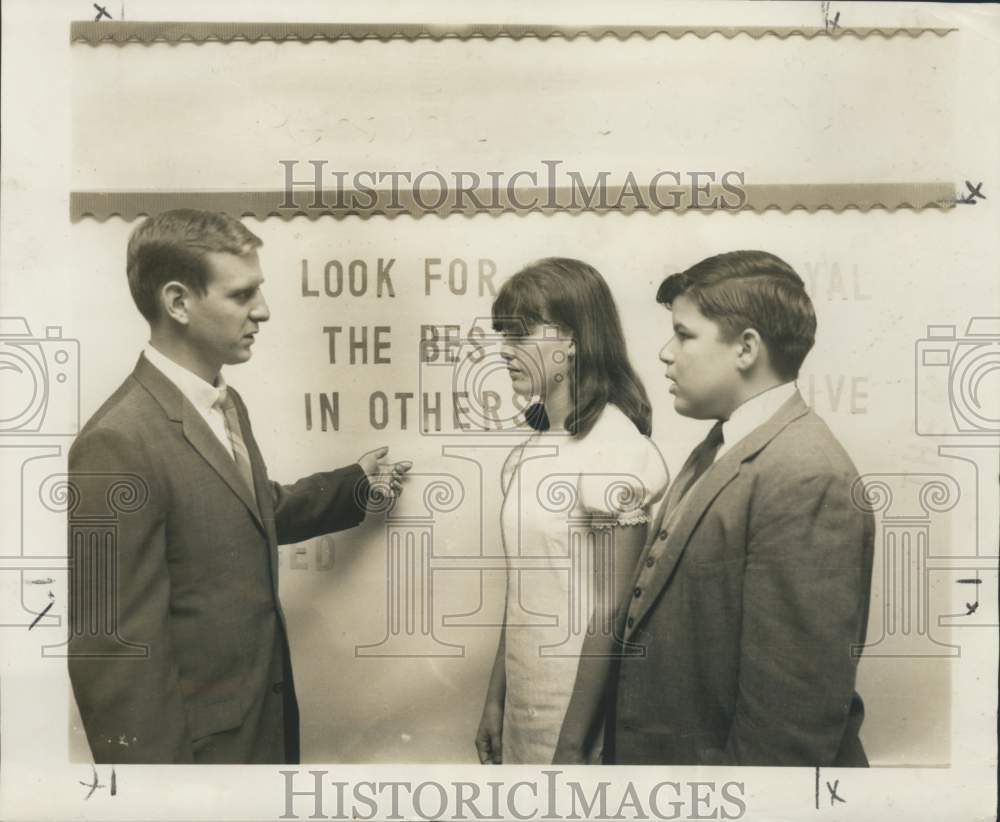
x=701 y=367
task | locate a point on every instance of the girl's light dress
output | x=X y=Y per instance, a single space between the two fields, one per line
x=557 y=491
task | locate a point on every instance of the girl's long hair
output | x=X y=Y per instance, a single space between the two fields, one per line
x=574 y=295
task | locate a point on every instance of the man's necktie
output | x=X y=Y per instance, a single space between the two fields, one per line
x=240 y=454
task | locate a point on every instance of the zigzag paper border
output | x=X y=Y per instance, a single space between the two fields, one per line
x=151 y=32
x=864 y=197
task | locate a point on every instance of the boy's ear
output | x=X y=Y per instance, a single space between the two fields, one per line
x=751 y=349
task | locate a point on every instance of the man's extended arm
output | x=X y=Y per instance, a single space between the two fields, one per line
x=318 y=504
x=321 y=503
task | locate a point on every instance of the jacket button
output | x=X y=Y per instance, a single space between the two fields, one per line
x=662 y=535
x=637 y=592
x=630 y=621
x=650 y=562
x=278 y=687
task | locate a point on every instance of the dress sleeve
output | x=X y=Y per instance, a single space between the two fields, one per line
x=625 y=477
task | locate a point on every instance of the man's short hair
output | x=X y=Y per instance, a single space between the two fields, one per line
x=172 y=246
x=751 y=289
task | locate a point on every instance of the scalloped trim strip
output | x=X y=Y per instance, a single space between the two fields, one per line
x=150 y=32
x=387 y=203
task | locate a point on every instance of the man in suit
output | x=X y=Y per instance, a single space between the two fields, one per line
x=178 y=647
x=750 y=601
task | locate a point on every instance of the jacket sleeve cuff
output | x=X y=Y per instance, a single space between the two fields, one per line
x=362 y=491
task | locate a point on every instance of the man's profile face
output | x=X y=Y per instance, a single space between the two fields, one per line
x=701 y=367
x=224 y=320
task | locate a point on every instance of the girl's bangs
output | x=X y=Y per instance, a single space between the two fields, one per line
x=518 y=308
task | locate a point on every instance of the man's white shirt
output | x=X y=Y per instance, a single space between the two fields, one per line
x=202 y=395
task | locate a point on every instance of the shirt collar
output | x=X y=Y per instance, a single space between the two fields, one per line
x=202 y=395
x=755 y=412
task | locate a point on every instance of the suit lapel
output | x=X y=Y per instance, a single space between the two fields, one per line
x=265 y=498
x=196 y=431
x=674 y=494
x=669 y=503
x=701 y=496
x=262 y=487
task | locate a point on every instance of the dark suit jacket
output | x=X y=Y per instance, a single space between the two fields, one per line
x=178 y=648
x=749 y=616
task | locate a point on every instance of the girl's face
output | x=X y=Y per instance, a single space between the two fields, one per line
x=538 y=361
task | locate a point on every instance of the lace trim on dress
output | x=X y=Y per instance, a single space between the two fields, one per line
x=625 y=519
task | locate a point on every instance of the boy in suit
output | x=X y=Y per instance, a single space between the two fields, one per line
x=751 y=595
x=178 y=649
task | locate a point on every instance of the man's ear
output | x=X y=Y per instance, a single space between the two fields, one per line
x=175 y=300
x=750 y=349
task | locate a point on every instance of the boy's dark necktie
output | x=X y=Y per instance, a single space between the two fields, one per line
x=698 y=463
